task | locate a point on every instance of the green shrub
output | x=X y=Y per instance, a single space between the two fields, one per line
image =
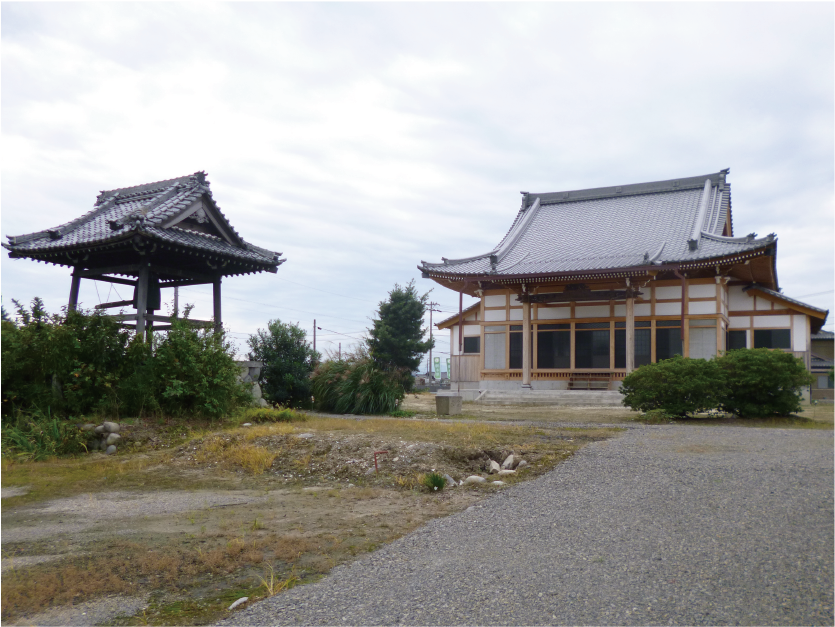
x=761 y=383
x=36 y=437
x=267 y=414
x=357 y=387
x=288 y=362
x=195 y=372
x=434 y=481
x=678 y=386
x=402 y=413
x=656 y=417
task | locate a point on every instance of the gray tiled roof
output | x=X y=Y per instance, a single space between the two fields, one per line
x=613 y=227
x=144 y=209
x=821 y=363
x=823 y=335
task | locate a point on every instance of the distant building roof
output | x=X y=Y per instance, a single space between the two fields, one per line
x=448 y=322
x=664 y=222
x=823 y=335
x=177 y=215
x=821 y=363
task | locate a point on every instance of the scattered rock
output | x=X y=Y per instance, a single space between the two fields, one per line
x=88 y=427
x=99 y=429
x=247 y=424
x=494 y=467
x=113 y=438
x=450 y=481
x=506 y=471
x=240 y=601
x=111 y=427
x=522 y=463
x=508 y=462
x=474 y=479
x=305 y=436
x=110 y=449
x=498 y=482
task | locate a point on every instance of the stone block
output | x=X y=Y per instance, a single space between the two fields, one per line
x=448 y=405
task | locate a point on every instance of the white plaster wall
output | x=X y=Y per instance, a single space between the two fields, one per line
x=494 y=315
x=620 y=311
x=772 y=322
x=643 y=309
x=763 y=305
x=453 y=341
x=593 y=311
x=667 y=309
x=495 y=300
x=800 y=332
x=738 y=322
x=553 y=313
x=669 y=291
x=700 y=307
x=471 y=329
x=515 y=314
x=739 y=300
x=701 y=291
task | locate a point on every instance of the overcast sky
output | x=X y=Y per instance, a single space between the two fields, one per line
x=359 y=139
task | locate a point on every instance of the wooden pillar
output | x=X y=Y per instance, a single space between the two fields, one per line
x=76 y=283
x=630 y=332
x=526 y=345
x=142 y=298
x=216 y=300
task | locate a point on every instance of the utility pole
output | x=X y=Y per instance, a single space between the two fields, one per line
x=314 y=337
x=176 y=301
x=431 y=364
x=340 y=351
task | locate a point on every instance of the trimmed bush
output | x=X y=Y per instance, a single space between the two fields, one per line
x=761 y=383
x=357 y=387
x=678 y=386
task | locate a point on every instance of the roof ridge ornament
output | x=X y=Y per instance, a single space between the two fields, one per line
x=696 y=235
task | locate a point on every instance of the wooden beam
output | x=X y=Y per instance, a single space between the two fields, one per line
x=216 y=303
x=579 y=296
x=183 y=274
x=115 y=303
x=132 y=269
x=526 y=345
x=185 y=282
x=113 y=279
x=76 y=283
x=142 y=299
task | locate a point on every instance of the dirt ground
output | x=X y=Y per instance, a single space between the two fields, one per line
x=185 y=521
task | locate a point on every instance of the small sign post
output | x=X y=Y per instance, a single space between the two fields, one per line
x=437 y=367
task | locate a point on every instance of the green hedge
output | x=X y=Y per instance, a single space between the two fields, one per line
x=746 y=382
x=357 y=387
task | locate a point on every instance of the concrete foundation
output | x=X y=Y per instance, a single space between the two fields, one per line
x=448 y=405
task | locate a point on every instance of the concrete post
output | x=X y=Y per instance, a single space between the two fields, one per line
x=526 y=345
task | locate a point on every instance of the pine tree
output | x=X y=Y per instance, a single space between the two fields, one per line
x=397 y=336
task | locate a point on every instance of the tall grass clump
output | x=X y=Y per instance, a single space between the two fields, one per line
x=37 y=437
x=360 y=386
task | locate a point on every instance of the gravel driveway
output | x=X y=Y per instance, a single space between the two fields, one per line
x=662 y=525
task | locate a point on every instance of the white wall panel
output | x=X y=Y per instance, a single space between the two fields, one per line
x=701 y=291
x=772 y=322
x=800 y=325
x=494 y=351
x=763 y=305
x=669 y=291
x=593 y=311
x=738 y=322
x=515 y=314
x=620 y=311
x=553 y=313
x=471 y=329
x=701 y=307
x=739 y=300
x=494 y=315
x=453 y=341
x=643 y=309
x=495 y=300
x=667 y=309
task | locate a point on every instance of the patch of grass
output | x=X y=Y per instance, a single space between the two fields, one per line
x=232 y=452
x=402 y=413
x=268 y=414
x=434 y=481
